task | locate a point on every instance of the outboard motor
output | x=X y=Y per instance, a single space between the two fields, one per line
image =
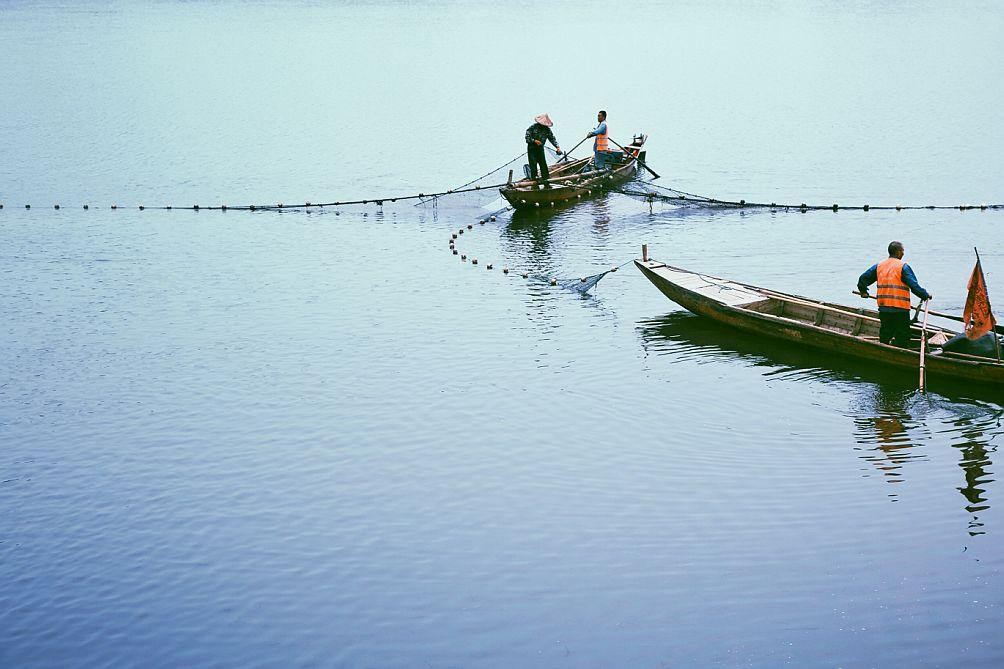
x=634 y=148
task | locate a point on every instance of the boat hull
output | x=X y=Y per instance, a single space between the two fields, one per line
x=526 y=194
x=987 y=373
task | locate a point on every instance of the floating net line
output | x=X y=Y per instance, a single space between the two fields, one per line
x=651 y=192
x=581 y=285
x=481 y=196
x=472 y=194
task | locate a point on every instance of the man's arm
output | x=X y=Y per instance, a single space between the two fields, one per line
x=529 y=137
x=550 y=137
x=910 y=279
x=600 y=129
x=869 y=277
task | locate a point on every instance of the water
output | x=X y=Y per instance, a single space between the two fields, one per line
x=320 y=439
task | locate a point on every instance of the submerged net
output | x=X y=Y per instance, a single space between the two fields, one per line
x=651 y=192
x=583 y=284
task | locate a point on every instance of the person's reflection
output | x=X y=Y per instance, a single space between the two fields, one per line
x=885 y=427
x=601 y=216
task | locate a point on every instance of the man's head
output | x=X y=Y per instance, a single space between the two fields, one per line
x=601 y=116
x=895 y=249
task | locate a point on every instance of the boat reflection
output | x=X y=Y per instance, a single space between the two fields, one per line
x=894 y=425
x=530 y=230
x=691 y=336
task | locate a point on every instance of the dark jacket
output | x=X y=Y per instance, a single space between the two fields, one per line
x=540 y=133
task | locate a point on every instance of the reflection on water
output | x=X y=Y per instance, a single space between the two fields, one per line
x=975 y=431
x=894 y=424
x=689 y=337
x=529 y=231
x=887 y=431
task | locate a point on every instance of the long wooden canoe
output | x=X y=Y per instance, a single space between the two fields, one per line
x=575 y=180
x=835 y=328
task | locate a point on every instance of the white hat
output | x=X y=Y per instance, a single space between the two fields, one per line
x=544 y=119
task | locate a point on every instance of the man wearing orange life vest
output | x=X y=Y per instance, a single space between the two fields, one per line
x=895 y=282
x=600 y=145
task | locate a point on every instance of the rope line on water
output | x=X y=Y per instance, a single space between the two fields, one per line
x=306 y=205
x=483 y=176
x=683 y=197
x=645 y=190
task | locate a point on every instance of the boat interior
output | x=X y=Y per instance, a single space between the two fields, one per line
x=860 y=323
x=569 y=173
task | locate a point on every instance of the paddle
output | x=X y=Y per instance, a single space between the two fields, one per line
x=923 y=343
x=565 y=157
x=999 y=329
x=629 y=153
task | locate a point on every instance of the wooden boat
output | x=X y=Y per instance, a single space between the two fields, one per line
x=577 y=179
x=826 y=326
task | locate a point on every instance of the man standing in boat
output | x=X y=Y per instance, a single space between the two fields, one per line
x=536 y=135
x=895 y=282
x=601 y=145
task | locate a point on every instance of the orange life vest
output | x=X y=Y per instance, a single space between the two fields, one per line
x=601 y=143
x=892 y=292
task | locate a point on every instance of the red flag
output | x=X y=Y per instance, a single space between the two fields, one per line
x=977 y=315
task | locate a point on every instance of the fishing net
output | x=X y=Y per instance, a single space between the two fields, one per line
x=583 y=284
x=651 y=192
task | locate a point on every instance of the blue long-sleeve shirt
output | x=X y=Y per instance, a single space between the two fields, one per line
x=601 y=129
x=909 y=278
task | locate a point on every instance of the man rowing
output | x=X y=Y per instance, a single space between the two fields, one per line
x=601 y=144
x=895 y=282
x=536 y=135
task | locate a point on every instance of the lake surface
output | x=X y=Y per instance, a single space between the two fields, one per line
x=319 y=439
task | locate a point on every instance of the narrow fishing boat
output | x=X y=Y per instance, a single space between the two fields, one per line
x=822 y=325
x=578 y=179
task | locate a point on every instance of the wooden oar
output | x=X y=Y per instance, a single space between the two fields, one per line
x=645 y=165
x=999 y=329
x=565 y=157
x=923 y=344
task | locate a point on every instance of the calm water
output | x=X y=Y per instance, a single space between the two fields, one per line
x=319 y=439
